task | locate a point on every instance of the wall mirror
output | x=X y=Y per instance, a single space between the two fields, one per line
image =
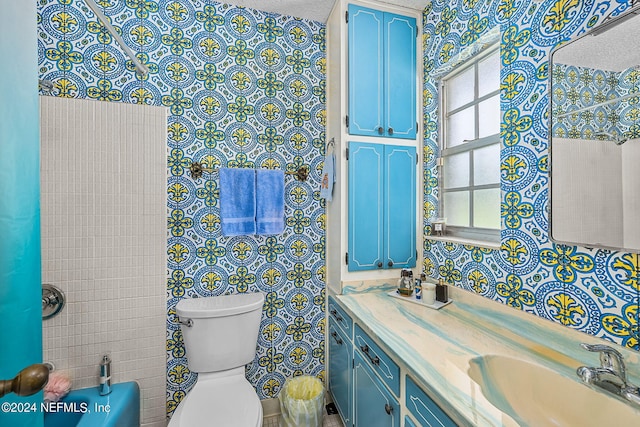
x=595 y=137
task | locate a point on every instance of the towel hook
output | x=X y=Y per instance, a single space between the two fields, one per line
x=331 y=143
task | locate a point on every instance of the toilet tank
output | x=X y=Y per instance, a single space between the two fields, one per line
x=223 y=332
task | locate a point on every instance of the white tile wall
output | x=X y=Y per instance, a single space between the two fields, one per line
x=103 y=173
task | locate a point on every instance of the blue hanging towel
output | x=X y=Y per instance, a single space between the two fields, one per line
x=269 y=201
x=328 y=177
x=238 y=201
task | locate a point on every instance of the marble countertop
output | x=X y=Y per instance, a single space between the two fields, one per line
x=435 y=347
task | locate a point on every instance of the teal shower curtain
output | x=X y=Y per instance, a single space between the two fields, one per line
x=20 y=289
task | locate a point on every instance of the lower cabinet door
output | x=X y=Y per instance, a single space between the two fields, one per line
x=340 y=372
x=423 y=408
x=374 y=406
x=408 y=422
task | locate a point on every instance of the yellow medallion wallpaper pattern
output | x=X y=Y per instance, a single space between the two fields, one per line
x=592 y=290
x=243 y=89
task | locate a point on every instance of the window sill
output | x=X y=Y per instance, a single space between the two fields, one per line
x=465 y=241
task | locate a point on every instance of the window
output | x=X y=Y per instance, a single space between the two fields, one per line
x=470 y=149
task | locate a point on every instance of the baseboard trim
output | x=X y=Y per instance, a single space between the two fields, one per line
x=270 y=407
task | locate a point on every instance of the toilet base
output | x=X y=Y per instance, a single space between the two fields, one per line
x=219 y=399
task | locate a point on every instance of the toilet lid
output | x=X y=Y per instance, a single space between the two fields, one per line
x=229 y=401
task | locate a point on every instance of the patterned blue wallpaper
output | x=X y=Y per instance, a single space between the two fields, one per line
x=577 y=87
x=244 y=89
x=592 y=290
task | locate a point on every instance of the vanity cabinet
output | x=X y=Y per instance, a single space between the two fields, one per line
x=423 y=408
x=408 y=422
x=338 y=315
x=341 y=361
x=363 y=380
x=382 y=73
x=370 y=387
x=382 y=206
x=376 y=382
x=375 y=406
x=384 y=367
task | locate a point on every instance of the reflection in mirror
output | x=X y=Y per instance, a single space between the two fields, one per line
x=595 y=137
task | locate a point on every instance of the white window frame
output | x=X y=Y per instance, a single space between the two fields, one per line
x=473 y=233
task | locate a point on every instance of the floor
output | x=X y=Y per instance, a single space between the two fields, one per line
x=328 y=421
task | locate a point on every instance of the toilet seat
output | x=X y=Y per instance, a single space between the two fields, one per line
x=221 y=402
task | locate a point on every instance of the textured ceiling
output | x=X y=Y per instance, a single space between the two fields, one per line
x=613 y=50
x=315 y=10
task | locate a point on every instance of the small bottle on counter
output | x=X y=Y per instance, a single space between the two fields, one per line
x=418 y=287
x=405 y=284
x=442 y=293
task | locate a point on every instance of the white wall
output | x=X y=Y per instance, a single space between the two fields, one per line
x=103 y=189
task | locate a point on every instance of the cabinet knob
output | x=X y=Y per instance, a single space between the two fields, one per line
x=388 y=408
x=390 y=263
x=390 y=131
x=380 y=264
x=380 y=130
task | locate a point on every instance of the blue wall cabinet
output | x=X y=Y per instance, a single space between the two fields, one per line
x=382 y=73
x=374 y=406
x=382 y=206
x=423 y=408
x=340 y=371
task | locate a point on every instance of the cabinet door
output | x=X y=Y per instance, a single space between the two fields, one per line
x=423 y=408
x=374 y=405
x=340 y=372
x=366 y=201
x=366 y=79
x=408 y=422
x=400 y=76
x=400 y=207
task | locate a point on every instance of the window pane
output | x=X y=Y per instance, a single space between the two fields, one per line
x=486 y=208
x=460 y=89
x=456 y=170
x=489 y=74
x=456 y=208
x=489 y=117
x=461 y=126
x=486 y=165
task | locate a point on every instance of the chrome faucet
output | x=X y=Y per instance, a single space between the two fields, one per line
x=611 y=375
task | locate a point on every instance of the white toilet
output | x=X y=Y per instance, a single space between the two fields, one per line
x=220 y=336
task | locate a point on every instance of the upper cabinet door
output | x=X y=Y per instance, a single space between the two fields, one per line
x=382 y=206
x=382 y=73
x=400 y=206
x=366 y=206
x=400 y=71
x=366 y=72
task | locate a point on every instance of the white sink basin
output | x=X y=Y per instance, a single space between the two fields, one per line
x=536 y=396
